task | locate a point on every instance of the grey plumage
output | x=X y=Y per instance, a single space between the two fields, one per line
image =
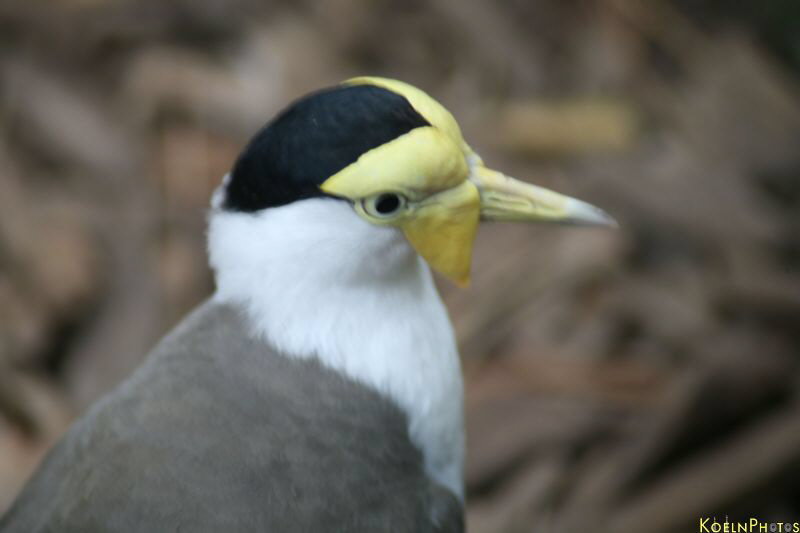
x=218 y=432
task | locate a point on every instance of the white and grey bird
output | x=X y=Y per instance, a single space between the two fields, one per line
x=319 y=388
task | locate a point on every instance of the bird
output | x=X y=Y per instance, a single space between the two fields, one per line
x=319 y=388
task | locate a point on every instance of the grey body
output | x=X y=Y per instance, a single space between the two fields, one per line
x=218 y=432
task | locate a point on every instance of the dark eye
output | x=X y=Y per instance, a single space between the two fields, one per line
x=384 y=205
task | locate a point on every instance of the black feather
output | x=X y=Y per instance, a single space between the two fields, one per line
x=313 y=139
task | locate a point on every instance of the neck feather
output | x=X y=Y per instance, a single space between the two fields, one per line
x=318 y=281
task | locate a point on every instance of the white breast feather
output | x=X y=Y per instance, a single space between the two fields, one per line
x=318 y=281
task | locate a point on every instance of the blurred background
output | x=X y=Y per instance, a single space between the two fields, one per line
x=636 y=380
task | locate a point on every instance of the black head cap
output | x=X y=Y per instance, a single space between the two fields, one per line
x=313 y=139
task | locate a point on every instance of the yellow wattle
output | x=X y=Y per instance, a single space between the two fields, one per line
x=443 y=230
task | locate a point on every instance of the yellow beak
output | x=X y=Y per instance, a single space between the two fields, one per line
x=443 y=227
x=508 y=199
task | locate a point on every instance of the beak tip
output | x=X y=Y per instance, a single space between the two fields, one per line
x=583 y=213
x=609 y=222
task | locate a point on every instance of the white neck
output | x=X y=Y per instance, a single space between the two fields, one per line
x=318 y=281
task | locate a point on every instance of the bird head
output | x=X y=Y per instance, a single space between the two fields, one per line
x=399 y=158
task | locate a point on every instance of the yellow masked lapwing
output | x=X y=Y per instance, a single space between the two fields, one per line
x=319 y=389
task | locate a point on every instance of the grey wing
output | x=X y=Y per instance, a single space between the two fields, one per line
x=216 y=432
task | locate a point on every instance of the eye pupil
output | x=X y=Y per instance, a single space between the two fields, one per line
x=387 y=204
